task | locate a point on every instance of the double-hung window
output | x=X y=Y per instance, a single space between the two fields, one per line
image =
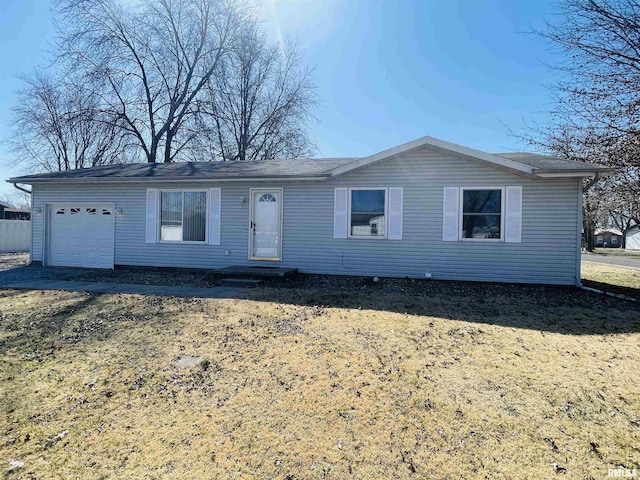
x=368 y=213
x=183 y=216
x=482 y=212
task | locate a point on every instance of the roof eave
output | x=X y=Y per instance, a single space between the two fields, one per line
x=31 y=181
x=564 y=173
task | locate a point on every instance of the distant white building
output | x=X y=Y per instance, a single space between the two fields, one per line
x=633 y=238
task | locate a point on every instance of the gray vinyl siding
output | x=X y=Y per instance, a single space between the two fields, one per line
x=547 y=254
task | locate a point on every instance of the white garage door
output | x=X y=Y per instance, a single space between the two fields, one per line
x=81 y=235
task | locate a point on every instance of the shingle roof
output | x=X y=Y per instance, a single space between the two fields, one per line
x=527 y=164
x=600 y=231
x=18 y=210
x=550 y=164
x=294 y=168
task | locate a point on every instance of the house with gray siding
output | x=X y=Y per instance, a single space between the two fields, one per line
x=9 y=212
x=608 y=237
x=425 y=209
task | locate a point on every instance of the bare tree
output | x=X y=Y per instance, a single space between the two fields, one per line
x=153 y=58
x=597 y=112
x=19 y=199
x=599 y=41
x=613 y=200
x=58 y=125
x=258 y=103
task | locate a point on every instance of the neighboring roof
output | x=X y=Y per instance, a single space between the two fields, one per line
x=5 y=205
x=314 y=168
x=600 y=231
x=547 y=164
x=18 y=210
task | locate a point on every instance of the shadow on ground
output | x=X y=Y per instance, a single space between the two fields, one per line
x=566 y=310
x=70 y=318
x=609 y=287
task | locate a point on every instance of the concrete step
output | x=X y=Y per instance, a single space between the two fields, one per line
x=243 y=271
x=240 y=282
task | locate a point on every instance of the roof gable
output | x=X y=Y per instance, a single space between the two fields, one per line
x=438 y=145
x=519 y=163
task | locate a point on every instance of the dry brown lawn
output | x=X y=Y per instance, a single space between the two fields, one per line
x=399 y=380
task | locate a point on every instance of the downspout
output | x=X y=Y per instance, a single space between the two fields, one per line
x=579 y=242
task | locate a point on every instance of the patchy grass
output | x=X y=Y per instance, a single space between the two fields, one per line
x=395 y=380
x=612 y=278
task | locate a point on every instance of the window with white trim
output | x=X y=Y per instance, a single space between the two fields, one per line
x=367 y=214
x=481 y=211
x=614 y=240
x=183 y=216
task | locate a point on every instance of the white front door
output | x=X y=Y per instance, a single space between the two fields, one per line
x=266 y=222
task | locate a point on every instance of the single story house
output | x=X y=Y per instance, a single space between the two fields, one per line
x=10 y=212
x=608 y=237
x=632 y=241
x=427 y=208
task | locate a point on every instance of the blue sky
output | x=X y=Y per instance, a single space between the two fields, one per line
x=387 y=71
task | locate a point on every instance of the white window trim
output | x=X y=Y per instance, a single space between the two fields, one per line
x=386 y=214
x=206 y=220
x=461 y=215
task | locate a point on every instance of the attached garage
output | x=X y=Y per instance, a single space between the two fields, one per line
x=80 y=235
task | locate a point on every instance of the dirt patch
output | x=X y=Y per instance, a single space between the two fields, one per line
x=183 y=361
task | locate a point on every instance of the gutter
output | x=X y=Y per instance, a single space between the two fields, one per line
x=15 y=185
x=571 y=173
x=85 y=180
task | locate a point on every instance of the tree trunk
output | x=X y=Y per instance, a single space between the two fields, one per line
x=589 y=228
x=167 y=146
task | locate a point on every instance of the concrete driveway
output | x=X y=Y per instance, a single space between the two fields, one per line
x=14 y=268
x=619 y=260
x=16 y=274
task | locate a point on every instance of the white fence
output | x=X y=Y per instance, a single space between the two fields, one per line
x=15 y=235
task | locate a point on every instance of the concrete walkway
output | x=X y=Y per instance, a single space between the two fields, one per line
x=98 y=287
